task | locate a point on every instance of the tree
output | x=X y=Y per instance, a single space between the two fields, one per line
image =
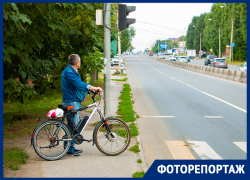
x=38 y=39
x=126 y=39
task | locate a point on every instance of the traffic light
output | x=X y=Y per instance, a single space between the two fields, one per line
x=123 y=21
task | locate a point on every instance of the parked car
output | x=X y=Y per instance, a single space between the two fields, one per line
x=115 y=60
x=183 y=59
x=244 y=67
x=208 y=59
x=151 y=53
x=172 y=58
x=219 y=63
x=203 y=55
x=161 y=55
x=188 y=58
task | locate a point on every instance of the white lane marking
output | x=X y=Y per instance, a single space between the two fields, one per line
x=160 y=116
x=203 y=150
x=180 y=81
x=213 y=116
x=242 y=146
x=243 y=110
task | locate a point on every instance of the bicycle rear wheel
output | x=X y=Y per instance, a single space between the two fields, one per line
x=51 y=140
x=115 y=142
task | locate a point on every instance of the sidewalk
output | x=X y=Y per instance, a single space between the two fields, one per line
x=91 y=163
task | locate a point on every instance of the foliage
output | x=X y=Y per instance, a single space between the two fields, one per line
x=126 y=39
x=38 y=38
x=221 y=17
x=125 y=107
x=139 y=174
x=135 y=148
x=13 y=156
x=158 y=42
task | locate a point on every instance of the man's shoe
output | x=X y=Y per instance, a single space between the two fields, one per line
x=78 y=151
x=73 y=153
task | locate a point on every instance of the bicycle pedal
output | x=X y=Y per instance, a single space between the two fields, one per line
x=87 y=140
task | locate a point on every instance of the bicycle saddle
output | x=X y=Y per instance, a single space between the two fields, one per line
x=65 y=107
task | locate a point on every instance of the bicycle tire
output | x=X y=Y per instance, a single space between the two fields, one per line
x=121 y=133
x=45 y=141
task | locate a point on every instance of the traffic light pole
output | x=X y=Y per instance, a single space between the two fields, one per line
x=106 y=8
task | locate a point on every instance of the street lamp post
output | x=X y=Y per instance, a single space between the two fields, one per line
x=231 y=40
x=219 y=37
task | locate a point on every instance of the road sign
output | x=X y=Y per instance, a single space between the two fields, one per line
x=162 y=46
x=211 y=50
x=232 y=44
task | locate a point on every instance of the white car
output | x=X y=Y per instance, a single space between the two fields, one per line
x=172 y=58
x=115 y=60
x=161 y=55
x=244 y=67
x=183 y=59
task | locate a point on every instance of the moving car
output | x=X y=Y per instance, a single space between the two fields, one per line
x=219 y=63
x=183 y=59
x=172 y=58
x=151 y=53
x=244 y=67
x=209 y=59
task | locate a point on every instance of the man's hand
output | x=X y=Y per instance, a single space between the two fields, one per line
x=100 y=89
x=95 y=89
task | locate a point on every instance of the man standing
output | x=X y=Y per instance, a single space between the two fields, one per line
x=74 y=91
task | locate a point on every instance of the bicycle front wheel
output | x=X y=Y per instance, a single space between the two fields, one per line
x=115 y=142
x=51 y=140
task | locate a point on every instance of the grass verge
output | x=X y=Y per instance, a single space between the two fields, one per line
x=125 y=108
x=125 y=79
x=121 y=74
x=139 y=174
x=20 y=119
x=13 y=157
x=135 y=148
x=133 y=130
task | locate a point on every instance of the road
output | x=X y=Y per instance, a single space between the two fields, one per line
x=201 y=63
x=187 y=115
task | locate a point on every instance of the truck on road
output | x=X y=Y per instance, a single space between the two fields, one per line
x=191 y=53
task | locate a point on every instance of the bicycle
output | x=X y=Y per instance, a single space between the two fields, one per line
x=51 y=139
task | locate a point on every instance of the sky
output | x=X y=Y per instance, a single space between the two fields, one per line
x=162 y=21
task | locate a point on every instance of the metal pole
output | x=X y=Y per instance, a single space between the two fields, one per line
x=165 y=46
x=107 y=56
x=119 y=45
x=158 y=47
x=231 y=37
x=232 y=54
x=200 y=43
x=219 y=42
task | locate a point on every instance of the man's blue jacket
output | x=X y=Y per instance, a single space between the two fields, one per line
x=73 y=88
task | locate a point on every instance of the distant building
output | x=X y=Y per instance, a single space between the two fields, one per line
x=173 y=39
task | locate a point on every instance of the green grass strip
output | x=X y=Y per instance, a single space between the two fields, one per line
x=125 y=79
x=139 y=174
x=133 y=130
x=13 y=157
x=135 y=148
x=125 y=107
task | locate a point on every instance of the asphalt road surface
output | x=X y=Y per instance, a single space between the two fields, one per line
x=187 y=115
